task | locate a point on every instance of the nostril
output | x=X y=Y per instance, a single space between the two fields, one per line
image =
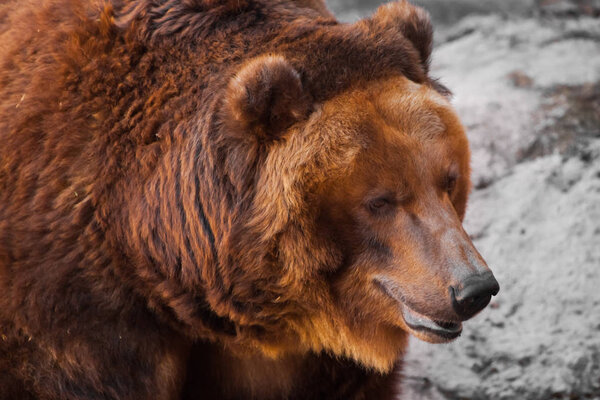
x=474 y=294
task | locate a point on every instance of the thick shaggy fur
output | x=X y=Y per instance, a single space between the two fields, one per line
x=159 y=163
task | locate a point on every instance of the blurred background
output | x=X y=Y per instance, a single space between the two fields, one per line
x=526 y=81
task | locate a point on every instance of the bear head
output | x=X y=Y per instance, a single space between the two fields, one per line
x=358 y=209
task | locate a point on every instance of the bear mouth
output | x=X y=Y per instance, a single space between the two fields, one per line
x=430 y=330
x=419 y=325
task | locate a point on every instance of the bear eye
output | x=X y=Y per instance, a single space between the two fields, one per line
x=450 y=183
x=379 y=204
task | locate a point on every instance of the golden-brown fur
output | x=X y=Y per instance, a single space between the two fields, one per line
x=182 y=186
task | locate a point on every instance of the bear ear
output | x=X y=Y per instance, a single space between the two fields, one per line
x=413 y=23
x=265 y=98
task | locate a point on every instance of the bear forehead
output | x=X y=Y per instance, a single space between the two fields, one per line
x=400 y=128
x=394 y=110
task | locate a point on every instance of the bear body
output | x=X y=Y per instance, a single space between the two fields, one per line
x=187 y=206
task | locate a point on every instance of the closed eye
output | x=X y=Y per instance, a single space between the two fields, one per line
x=450 y=182
x=380 y=204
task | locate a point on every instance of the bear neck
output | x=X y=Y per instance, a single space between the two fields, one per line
x=293 y=377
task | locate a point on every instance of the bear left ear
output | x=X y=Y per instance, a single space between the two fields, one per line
x=413 y=23
x=265 y=98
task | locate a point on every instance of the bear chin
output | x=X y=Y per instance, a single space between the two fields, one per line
x=376 y=348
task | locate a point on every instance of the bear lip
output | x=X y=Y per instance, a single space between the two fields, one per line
x=429 y=329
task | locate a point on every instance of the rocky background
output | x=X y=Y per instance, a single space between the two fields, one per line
x=526 y=81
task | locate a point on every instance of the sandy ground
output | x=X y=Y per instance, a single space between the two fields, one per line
x=526 y=84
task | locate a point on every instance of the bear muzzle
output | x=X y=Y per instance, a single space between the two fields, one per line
x=467 y=298
x=421 y=324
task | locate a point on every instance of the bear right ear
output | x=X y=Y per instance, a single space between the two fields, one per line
x=264 y=99
x=413 y=23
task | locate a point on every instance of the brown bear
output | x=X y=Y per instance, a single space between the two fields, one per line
x=235 y=199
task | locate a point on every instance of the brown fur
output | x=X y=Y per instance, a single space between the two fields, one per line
x=177 y=186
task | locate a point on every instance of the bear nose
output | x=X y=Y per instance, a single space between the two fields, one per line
x=474 y=294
